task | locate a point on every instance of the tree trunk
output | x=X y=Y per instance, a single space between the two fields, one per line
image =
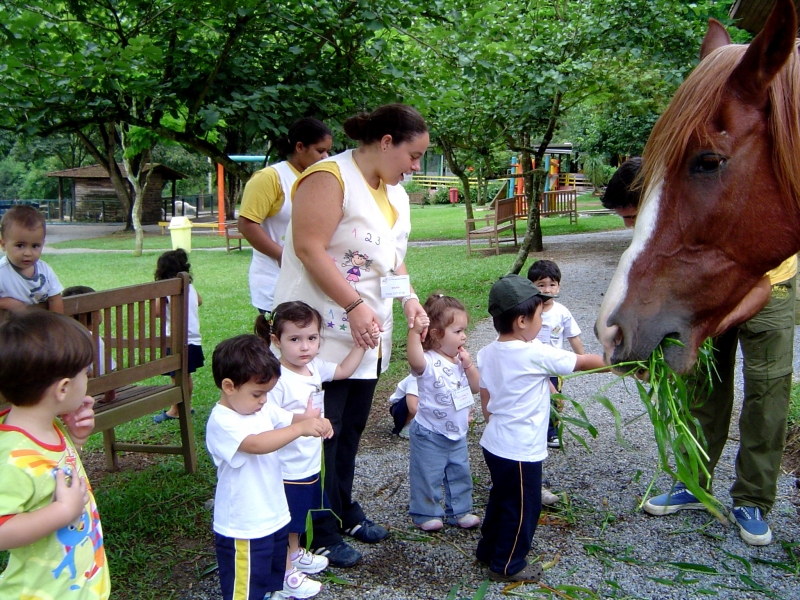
x=532 y=242
x=458 y=170
x=108 y=160
x=139 y=179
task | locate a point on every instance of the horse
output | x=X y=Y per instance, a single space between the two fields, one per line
x=720 y=198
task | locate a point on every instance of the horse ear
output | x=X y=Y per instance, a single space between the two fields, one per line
x=716 y=37
x=766 y=55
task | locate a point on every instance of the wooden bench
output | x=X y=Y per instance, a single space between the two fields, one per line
x=500 y=220
x=232 y=233
x=134 y=333
x=195 y=225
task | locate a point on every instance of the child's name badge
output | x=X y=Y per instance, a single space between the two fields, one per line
x=395 y=286
x=462 y=398
x=318 y=401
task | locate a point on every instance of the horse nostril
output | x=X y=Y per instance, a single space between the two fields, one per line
x=618 y=337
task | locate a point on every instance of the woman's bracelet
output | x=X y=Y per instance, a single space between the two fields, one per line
x=351 y=306
x=407 y=298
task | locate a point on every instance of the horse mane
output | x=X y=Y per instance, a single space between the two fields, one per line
x=695 y=104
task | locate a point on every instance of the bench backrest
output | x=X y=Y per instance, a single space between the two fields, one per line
x=131 y=323
x=505 y=209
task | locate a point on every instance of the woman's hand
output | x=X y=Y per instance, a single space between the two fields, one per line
x=412 y=310
x=364 y=325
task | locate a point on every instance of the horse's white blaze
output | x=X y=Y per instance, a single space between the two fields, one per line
x=645 y=226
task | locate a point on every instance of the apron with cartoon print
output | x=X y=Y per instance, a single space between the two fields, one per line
x=364 y=248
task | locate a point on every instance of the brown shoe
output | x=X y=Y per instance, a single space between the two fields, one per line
x=530 y=574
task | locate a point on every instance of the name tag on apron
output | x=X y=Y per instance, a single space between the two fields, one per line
x=395 y=286
x=462 y=398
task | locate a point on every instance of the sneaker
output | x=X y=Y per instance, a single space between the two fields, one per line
x=431 y=525
x=530 y=574
x=297 y=585
x=679 y=498
x=368 y=532
x=404 y=433
x=752 y=526
x=553 y=442
x=308 y=562
x=548 y=497
x=468 y=521
x=341 y=554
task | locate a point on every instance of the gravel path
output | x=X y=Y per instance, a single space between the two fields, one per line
x=600 y=539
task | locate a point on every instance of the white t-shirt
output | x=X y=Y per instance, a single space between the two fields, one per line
x=301 y=458
x=250 y=502
x=30 y=290
x=405 y=387
x=557 y=324
x=516 y=374
x=193 y=335
x=436 y=385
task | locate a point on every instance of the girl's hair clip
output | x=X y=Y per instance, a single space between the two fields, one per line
x=441 y=295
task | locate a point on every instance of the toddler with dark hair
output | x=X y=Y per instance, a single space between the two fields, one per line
x=515 y=397
x=48 y=515
x=24 y=279
x=251 y=516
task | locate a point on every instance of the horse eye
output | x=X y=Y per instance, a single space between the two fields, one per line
x=708 y=163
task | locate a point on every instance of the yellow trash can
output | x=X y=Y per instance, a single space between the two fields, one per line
x=180 y=230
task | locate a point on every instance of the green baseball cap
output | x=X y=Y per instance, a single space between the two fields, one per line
x=510 y=291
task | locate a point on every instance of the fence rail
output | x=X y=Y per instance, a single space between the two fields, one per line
x=109 y=210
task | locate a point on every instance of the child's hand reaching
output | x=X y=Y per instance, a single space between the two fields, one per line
x=311 y=412
x=421 y=323
x=316 y=428
x=72 y=498
x=80 y=423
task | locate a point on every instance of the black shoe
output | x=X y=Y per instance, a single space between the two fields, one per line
x=530 y=574
x=553 y=442
x=368 y=532
x=341 y=554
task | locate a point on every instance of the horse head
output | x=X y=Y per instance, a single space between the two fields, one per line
x=720 y=190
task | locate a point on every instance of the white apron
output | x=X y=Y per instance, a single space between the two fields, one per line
x=264 y=269
x=364 y=248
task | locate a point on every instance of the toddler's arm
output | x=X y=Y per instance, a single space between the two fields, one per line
x=587 y=362
x=26 y=528
x=576 y=344
x=8 y=303
x=470 y=369
x=350 y=363
x=269 y=441
x=414 y=351
x=56 y=304
x=485 y=404
x=80 y=423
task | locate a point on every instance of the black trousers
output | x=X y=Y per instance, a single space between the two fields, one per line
x=515 y=502
x=347 y=406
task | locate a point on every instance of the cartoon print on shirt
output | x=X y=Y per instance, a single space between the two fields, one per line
x=356 y=261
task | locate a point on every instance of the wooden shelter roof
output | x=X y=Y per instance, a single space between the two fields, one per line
x=751 y=15
x=99 y=172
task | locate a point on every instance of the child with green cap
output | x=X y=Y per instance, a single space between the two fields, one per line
x=515 y=373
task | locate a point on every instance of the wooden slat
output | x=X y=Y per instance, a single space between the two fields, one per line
x=131 y=336
x=152 y=334
x=107 y=338
x=129 y=375
x=83 y=303
x=142 y=336
x=119 y=334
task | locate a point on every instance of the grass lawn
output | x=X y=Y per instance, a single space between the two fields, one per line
x=153 y=514
x=437 y=222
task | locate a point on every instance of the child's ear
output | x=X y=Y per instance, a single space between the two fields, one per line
x=60 y=388
x=227 y=386
x=275 y=341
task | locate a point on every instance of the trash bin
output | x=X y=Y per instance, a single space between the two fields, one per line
x=180 y=230
x=453 y=195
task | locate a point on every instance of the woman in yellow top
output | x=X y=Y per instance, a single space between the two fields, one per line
x=264 y=215
x=344 y=255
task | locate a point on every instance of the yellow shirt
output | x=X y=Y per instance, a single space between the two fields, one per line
x=786 y=270
x=381 y=199
x=263 y=195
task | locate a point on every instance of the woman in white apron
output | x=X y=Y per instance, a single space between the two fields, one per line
x=266 y=206
x=344 y=255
